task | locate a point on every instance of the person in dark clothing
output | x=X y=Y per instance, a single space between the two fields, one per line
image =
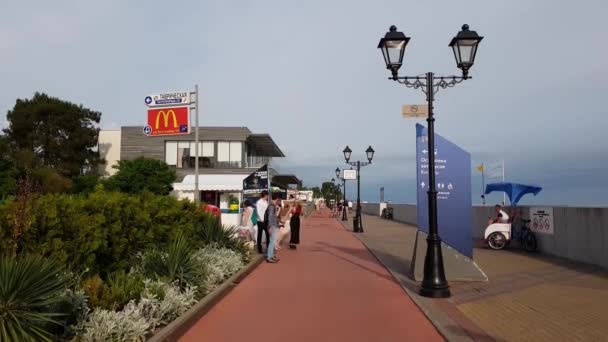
x=295 y=225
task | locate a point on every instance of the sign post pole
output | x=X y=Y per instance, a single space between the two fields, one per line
x=196 y=147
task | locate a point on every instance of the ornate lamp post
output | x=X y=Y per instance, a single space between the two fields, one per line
x=464 y=46
x=357 y=224
x=344 y=201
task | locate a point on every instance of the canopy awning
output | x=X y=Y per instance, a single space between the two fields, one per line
x=513 y=190
x=226 y=182
x=265 y=144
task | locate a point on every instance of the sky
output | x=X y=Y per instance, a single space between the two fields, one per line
x=309 y=73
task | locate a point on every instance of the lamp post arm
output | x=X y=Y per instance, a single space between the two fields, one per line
x=439 y=82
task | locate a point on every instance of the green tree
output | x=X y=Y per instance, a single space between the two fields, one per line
x=142 y=174
x=330 y=191
x=60 y=135
x=7 y=169
x=316 y=192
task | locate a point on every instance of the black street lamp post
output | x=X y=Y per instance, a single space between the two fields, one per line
x=464 y=46
x=344 y=201
x=357 y=224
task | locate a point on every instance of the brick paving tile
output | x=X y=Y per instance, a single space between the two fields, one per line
x=330 y=289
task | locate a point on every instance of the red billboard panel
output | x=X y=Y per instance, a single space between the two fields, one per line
x=168 y=121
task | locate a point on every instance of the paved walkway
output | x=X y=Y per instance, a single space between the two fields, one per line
x=529 y=297
x=331 y=289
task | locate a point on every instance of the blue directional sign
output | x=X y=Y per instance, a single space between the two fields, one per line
x=148 y=100
x=453 y=185
x=147 y=130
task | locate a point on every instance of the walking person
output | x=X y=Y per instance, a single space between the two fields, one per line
x=284 y=226
x=261 y=206
x=248 y=218
x=296 y=212
x=272 y=223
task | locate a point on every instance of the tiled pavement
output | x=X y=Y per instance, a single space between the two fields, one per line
x=529 y=297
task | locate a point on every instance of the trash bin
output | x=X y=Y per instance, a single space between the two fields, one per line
x=355 y=223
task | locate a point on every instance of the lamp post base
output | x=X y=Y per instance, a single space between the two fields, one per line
x=434 y=283
x=435 y=292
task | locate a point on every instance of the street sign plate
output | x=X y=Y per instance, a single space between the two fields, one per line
x=168 y=121
x=168 y=99
x=414 y=111
x=350 y=174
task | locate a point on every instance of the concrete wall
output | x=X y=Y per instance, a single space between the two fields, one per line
x=580 y=234
x=109 y=150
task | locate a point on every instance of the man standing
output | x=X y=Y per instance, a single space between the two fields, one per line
x=261 y=206
x=272 y=224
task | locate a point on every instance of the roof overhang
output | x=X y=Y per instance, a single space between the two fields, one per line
x=285 y=180
x=227 y=182
x=265 y=144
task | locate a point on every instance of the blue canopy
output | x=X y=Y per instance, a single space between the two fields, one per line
x=514 y=191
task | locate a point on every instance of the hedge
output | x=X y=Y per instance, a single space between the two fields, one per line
x=101 y=232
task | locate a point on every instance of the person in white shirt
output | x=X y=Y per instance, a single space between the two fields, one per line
x=501 y=215
x=261 y=206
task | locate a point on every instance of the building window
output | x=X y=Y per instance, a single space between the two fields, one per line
x=181 y=154
x=171 y=153
x=230 y=154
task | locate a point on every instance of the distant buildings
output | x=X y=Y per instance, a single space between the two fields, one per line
x=226 y=156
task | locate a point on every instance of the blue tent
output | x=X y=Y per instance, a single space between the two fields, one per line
x=514 y=191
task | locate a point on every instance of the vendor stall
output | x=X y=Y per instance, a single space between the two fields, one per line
x=221 y=190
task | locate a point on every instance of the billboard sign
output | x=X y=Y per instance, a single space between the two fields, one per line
x=453 y=186
x=255 y=183
x=168 y=121
x=541 y=220
x=177 y=98
x=350 y=174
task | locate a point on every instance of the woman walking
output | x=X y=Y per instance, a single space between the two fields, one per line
x=249 y=219
x=296 y=212
x=284 y=216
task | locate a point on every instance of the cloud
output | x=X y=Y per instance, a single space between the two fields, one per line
x=309 y=74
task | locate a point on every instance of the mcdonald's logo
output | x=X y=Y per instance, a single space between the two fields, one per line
x=165 y=116
x=168 y=121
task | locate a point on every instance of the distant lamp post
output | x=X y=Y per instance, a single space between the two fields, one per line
x=344 y=201
x=357 y=224
x=464 y=45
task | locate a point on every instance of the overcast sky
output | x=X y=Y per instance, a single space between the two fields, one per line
x=309 y=74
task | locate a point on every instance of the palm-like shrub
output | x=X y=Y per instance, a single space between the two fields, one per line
x=210 y=233
x=29 y=287
x=174 y=264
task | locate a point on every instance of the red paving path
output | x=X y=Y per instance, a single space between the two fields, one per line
x=330 y=289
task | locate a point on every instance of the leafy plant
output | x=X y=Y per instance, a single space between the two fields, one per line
x=221 y=236
x=220 y=264
x=29 y=288
x=124 y=287
x=173 y=264
x=100 y=231
x=114 y=294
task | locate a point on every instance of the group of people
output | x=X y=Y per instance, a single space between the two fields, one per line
x=275 y=219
